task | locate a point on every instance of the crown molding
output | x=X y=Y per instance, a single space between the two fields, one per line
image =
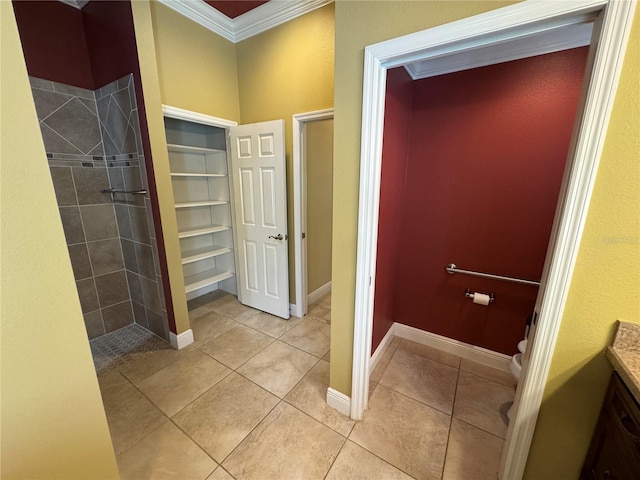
x=76 y=3
x=258 y=20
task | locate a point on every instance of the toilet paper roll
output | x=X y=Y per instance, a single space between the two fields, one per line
x=481 y=298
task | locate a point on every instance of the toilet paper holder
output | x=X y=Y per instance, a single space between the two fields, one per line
x=469 y=294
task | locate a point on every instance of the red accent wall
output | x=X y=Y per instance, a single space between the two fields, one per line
x=487 y=150
x=395 y=150
x=53 y=41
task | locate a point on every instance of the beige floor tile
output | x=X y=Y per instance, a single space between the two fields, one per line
x=278 y=367
x=221 y=418
x=233 y=309
x=381 y=366
x=479 y=402
x=356 y=463
x=271 y=325
x=310 y=396
x=287 y=445
x=324 y=301
x=327 y=317
x=422 y=379
x=166 y=453
x=327 y=356
x=316 y=310
x=140 y=365
x=220 y=474
x=131 y=416
x=310 y=335
x=209 y=326
x=237 y=345
x=408 y=434
x=472 y=453
x=177 y=385
x=429 y=352
x=493 y=374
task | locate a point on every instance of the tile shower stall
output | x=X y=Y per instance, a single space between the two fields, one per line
x=93 y=143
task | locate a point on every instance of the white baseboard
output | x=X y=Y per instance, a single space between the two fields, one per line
x=319 y=293
x=180 y=341
x=463 y=350
x=339 y=401
x=295 y=310
x=375 y=358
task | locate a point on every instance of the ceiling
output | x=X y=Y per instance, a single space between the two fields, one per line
x=234 y=8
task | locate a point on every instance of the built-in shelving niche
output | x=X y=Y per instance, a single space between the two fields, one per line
x=199 y=174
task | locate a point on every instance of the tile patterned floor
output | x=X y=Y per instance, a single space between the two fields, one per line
x=247 y=401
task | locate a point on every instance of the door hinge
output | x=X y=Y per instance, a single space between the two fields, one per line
x=304 y=235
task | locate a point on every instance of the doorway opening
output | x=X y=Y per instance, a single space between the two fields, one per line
x=310 y=136
x=524 y=21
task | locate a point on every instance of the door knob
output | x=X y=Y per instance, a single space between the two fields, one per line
x=277 y=237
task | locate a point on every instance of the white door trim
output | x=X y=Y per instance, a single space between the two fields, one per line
x=493 y=27
x=299 y=205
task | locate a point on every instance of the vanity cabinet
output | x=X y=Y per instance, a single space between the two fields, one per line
x=614 y=453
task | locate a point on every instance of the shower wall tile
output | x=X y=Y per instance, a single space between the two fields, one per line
x=150 y=294
x=80 y=261
x=129 y=254
x=77 y=124
x=93 y=324
x=140 y=314
x=54 y=142
x=144 y=255
x=135 y=287
x=48 y=102
x=124 y=222
x=72 y=224
x=99 y=221
x=157 y=324
x=63 y=186
x=112 y=288
x=89 y=182
x=115 y=178
x=106 y=256
x=88 y=295
x=75 y=91
x=117 y=316
x=93 y=142
x=41 y=83
x=139 y=225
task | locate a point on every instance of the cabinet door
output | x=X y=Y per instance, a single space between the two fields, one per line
x=260 y=205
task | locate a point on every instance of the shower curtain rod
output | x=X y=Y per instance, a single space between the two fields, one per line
x=452 y=268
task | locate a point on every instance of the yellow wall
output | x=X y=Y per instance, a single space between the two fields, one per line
x=142 y=19
x=53 y=421
x=284 y=71
x=605 y=287
x=197 y=68
x=319 y=156
x=606 y=282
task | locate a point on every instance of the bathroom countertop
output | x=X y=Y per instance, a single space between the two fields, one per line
x=624 y=355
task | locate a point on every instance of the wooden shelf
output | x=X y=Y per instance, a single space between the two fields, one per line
x=202 y=253
x=206 y=278
x=189 y=149
x=210 y=175
x=194 y=232
x=204 y=203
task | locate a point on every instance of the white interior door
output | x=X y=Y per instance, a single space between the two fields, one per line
x=260 y=205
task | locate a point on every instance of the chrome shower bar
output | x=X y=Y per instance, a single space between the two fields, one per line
x=452 y=268
x=113 y=191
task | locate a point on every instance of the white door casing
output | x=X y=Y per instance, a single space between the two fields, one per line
x=260 y=205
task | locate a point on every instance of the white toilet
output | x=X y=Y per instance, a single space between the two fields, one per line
x=516 y=367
